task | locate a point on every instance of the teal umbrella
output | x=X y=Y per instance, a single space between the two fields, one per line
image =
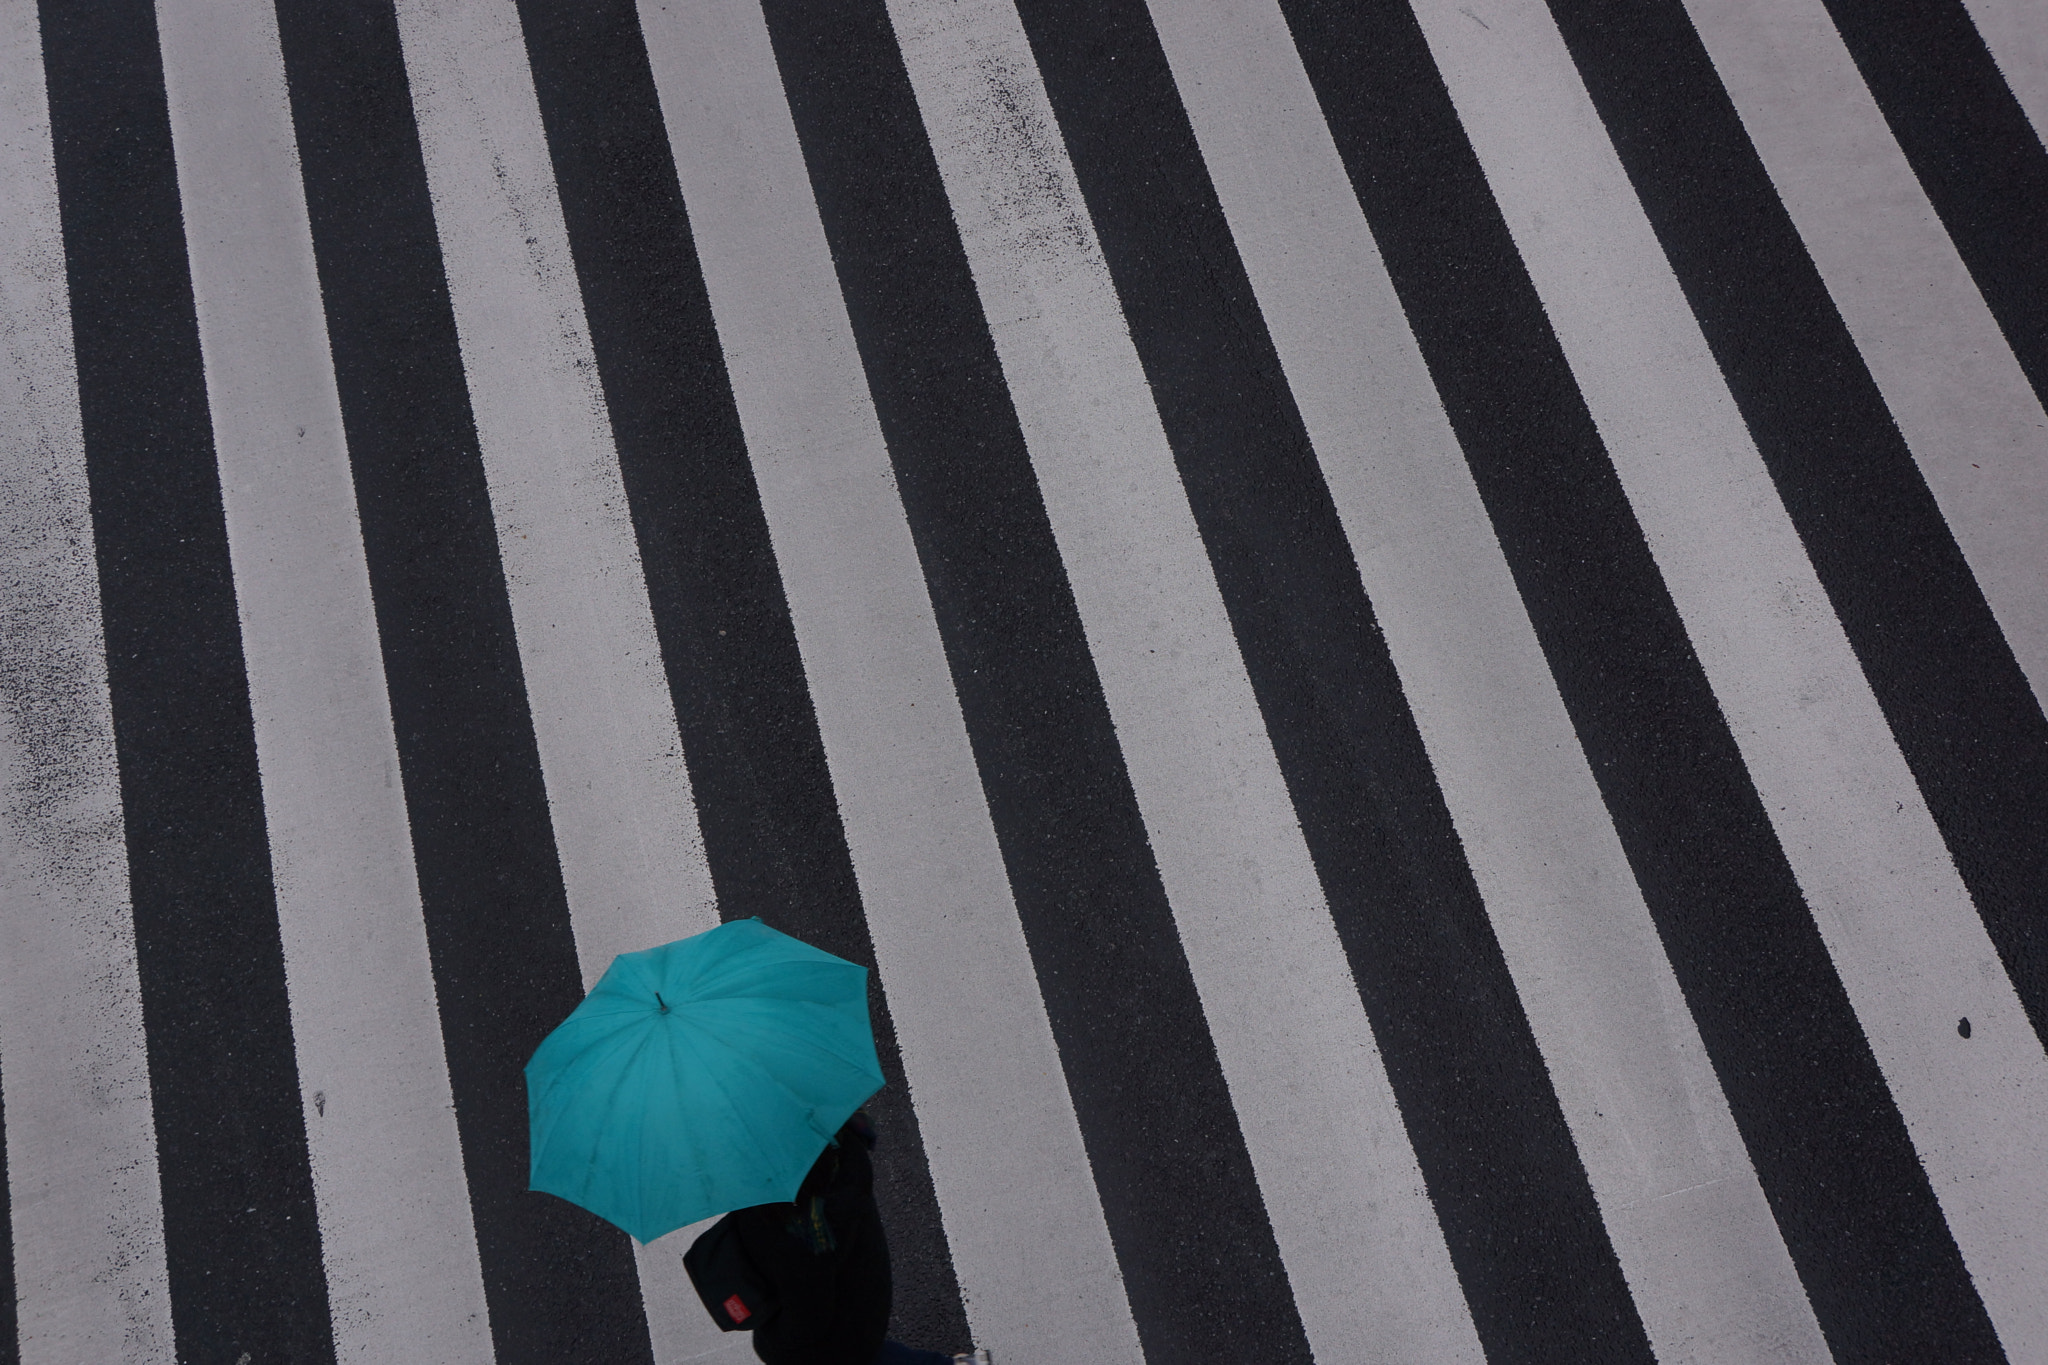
x=699 y=1077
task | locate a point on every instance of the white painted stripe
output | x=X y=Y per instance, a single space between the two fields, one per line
x=2016 y=31
x=618 y=791
x=1022 y=1216
x=1695 y=1237
x=1371 y=1275
x=87 y=1212
x=1895 y=915
x=400 y=1251
x=1974 y=423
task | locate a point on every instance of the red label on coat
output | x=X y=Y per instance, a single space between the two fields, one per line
x=736 y=1310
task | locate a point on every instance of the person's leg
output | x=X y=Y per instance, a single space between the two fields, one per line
x=865 y=1287
x=874 y=1303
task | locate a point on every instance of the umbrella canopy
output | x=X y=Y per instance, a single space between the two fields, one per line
x=699 y=1077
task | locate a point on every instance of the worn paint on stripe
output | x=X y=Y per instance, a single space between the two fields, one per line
x=1982 y=164
x=1179 y=1193
x=770 y=823
x=618 y=791
x=240 y=1230
x=1897 y=919
x=560 y=1283
x=1677 y=1192
x=1828 y=1145
x=82 y=1274
x=624 y=819
x=1029 y=1243
x=400 y=1253
x=2018 y=40
x=1366 y=1261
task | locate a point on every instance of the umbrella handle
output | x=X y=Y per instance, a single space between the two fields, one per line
x=659 y=1001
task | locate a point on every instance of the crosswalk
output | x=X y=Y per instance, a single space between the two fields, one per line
x=1411 y=632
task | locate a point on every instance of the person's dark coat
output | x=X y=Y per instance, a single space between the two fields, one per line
x=825 y=1258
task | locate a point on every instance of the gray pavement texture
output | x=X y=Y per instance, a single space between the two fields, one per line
x=1412 y=635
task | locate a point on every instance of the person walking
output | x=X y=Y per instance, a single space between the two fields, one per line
x=703 y=1077
x=825 y=1260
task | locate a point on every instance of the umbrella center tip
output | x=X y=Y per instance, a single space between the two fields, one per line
x=659 y=1001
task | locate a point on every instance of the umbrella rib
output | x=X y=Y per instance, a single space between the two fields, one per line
x=585 y=1063
x=741 y=1111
